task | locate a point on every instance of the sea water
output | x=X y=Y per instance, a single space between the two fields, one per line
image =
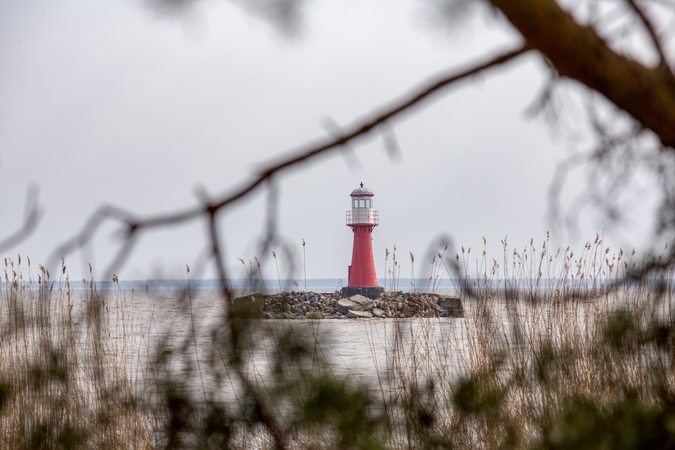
x=185 y=330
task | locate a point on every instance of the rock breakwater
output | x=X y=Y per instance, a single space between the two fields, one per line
x=313 y=305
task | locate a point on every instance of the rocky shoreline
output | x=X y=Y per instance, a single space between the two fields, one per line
x=313 y=305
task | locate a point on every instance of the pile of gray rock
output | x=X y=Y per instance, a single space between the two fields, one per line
x=313 y=305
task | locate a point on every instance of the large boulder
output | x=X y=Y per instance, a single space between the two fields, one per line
x=344 y=305
x=364 y=302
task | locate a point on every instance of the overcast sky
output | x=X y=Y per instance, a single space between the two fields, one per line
x=107 y=102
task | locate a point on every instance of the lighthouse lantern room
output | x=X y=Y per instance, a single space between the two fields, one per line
x=362 y=219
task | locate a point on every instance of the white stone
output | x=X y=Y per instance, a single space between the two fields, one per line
x=359 y=314
x=365 y=302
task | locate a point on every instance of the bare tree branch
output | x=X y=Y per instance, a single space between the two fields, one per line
x=32 y=216
x=89 y=230
x=236 y=329
x=310 y=151
x=577 y=52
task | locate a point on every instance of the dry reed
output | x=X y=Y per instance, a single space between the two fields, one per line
x=555 y=351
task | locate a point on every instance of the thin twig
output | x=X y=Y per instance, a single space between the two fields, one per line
x=262 y=413
x=652 y=34
x=32 y=216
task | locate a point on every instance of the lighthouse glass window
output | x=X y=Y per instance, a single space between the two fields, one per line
x=360 y=203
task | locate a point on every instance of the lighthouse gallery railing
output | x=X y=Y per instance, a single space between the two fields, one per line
x=364 y=216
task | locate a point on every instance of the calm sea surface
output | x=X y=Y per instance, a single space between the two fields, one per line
x=143 y=323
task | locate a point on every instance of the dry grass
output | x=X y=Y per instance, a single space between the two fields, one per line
x=66 y=367
x=555 y=351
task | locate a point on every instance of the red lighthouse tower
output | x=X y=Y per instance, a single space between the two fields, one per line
x=362 y=219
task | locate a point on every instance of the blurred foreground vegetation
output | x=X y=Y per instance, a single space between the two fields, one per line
x=555 y=351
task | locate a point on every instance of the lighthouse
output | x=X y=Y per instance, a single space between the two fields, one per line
x=362 y=219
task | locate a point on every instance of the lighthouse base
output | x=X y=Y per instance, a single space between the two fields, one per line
x=366 y=291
